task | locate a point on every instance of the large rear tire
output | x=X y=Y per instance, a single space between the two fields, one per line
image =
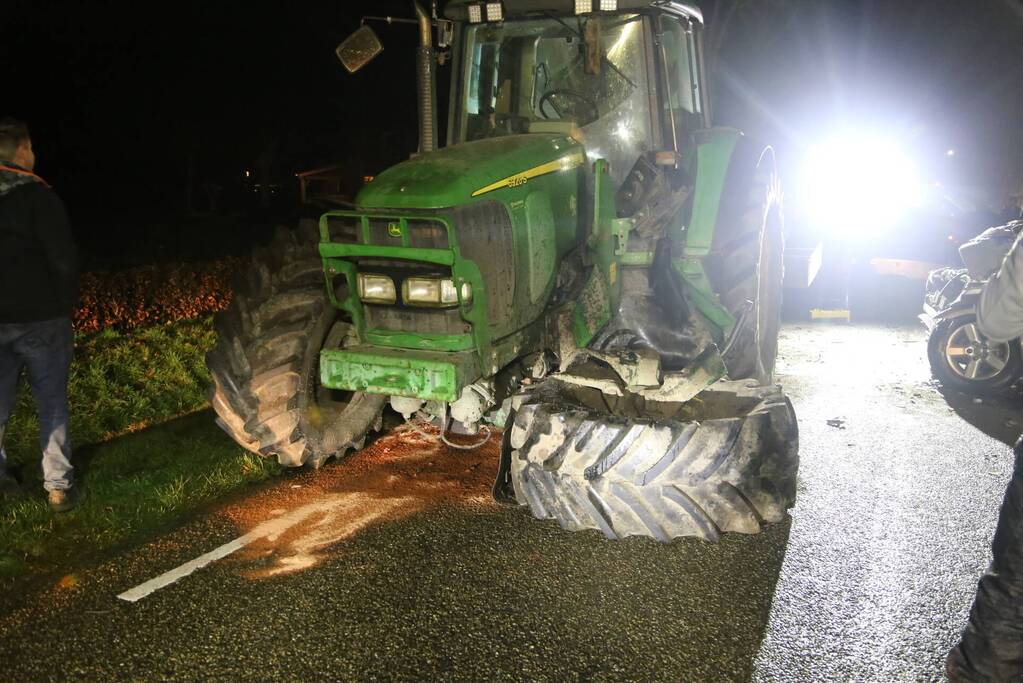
x=265 y=366
x=731 y=469
x=746 y=267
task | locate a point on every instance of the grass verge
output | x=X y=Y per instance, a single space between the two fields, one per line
x=121 y=383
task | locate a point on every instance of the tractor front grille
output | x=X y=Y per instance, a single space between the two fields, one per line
x=388 y=232
x=484 y=234
x=483 y=231
x=400 y=317
x=415 y=320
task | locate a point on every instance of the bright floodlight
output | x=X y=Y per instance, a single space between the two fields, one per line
x=475 y=14
x=583 y=6
x=859 y=185
x=608 y=5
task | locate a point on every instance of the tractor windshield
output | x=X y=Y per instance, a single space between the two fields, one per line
x=538 y=76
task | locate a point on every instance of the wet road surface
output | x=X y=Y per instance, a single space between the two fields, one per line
x=396 y=565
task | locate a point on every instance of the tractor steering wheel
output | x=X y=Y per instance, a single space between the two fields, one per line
x=548 y=96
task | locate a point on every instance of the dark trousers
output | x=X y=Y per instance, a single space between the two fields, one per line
x=44 y=349
x=991 y=648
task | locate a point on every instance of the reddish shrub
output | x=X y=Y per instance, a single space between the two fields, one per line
x=154 y=294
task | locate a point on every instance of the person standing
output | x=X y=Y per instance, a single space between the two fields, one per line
x=38 y=289
x=991 y=646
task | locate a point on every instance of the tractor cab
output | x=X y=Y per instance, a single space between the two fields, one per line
x=624 y=78
x=623 y=83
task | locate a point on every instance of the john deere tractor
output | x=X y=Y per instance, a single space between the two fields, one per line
x=587 y=264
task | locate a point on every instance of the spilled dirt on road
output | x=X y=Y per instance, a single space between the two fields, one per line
x=406 y=472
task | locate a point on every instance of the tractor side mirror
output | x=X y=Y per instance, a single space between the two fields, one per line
x=358 y=49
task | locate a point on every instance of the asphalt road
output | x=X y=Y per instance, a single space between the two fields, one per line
x=396 y=566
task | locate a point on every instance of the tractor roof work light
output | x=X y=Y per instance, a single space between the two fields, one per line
x=475 y=14
x=586 y=6
x=495 y=12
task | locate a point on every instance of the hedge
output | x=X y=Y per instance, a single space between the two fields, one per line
x=153 y=295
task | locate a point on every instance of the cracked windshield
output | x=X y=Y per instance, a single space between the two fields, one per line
x=549 y=76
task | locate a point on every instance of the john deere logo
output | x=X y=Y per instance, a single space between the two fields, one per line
x=394 y=229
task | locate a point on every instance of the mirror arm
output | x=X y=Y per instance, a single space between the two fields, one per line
x=391 y=20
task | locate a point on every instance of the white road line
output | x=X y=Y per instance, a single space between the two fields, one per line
x=269 y=529
x=167 y=578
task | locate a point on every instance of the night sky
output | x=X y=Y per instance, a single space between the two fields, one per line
x=127 y=104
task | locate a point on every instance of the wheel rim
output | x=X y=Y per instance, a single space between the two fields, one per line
x=974 y=357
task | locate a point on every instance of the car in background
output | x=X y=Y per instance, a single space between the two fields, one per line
x=960 y=355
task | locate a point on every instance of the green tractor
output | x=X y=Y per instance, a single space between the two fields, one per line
x=587 y=264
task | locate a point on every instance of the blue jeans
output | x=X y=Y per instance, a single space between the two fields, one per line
x=44 y=348
x=991 y=648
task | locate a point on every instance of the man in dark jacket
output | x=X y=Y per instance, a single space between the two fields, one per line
x=38 y=288
x=991 y=648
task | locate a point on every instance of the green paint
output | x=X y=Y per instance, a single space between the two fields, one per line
x=713 y=157
x=592 y=310
x=429 y=375
x=540 y=246
x=421 y=340
x=637 y=258
x=336 y=250
x=602 y=291
x=449 y=176
x=706 y=301
x=620 y=229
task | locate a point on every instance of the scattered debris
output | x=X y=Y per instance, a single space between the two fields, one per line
x=68 y=581
x=838 y=422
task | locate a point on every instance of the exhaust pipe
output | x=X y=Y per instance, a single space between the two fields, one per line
x=426 y=82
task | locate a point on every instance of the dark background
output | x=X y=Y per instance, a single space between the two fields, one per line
x=146 y=117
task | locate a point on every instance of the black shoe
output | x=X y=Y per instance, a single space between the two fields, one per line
x=62 y=500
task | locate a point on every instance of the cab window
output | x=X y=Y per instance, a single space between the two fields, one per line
x=678 y=57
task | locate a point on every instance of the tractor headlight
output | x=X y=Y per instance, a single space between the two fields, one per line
x=376 y=289
x=428 y=291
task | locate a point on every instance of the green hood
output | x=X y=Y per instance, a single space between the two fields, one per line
x=450 y=176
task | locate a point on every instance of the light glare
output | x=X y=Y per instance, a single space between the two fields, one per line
x=583 y=6
x=623 y=132
x=858 y=185
x=475 y=14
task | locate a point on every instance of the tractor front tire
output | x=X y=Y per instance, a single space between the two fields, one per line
x=265 y=365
